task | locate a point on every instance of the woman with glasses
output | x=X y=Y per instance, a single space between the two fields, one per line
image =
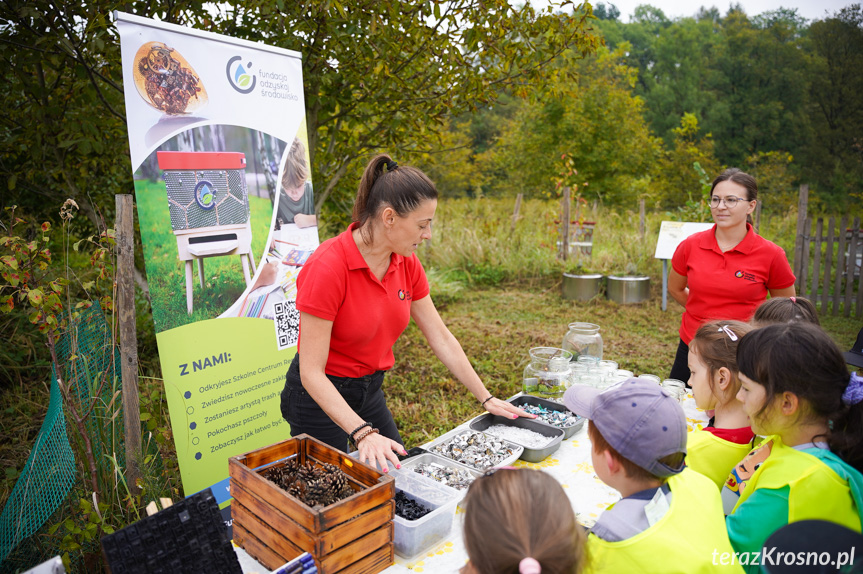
x=727 y=271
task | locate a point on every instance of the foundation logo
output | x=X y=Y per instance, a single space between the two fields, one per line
x=239 y=76
x=404 y=295
x=745 y=276
x=205 y=195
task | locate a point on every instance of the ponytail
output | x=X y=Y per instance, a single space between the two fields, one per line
x=386 y=184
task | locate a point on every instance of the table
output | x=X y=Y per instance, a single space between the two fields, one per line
x=570 y=464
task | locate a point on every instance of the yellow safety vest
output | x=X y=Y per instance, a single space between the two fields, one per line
x=815 y=491
x=712 y=456
x=690 y=538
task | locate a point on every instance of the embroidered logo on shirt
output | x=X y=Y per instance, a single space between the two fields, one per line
x=747 y=276
x=404 y=295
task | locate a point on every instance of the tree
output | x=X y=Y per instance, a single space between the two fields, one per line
x=677 y=181
x=598 y=121
x=377 y=76
x=835 y=153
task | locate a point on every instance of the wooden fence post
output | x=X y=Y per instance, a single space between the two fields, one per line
x=840 y=264
x=564 y=228
x=804 y=267
x=757 y=216
x=515 y=215
x=816 y=266
x=128 y=338
x=641 y=217
x=802 y=206
x=828 y=259
x=851 y=263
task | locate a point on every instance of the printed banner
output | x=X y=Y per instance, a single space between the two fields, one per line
x=220 y=158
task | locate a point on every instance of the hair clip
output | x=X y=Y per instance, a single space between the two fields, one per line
x=793 y=299
x=731 y=334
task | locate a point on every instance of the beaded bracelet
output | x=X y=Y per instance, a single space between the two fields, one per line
x=490 y=397
x=356 y=430
x=364 y=435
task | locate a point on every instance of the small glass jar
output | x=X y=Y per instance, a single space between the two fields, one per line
x=583 y=339
x=676 y=388
x=651 y=378
x=623 y=374
x=548 y=374
x=592 y=380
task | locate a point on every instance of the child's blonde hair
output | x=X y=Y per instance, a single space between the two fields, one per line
x=715 y=344
x=296 y=169
x=513 y=514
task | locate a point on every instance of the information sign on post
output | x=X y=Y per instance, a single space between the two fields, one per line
x=671 y=234
x=219 y=152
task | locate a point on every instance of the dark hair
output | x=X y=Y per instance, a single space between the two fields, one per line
x=401 y=187
x=514 y=514
x=632 y=470
x=801 y=358
x=734 y=175
x=716 y=349
x=785 y=310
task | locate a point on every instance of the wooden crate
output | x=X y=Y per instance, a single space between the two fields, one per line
x=354 y=535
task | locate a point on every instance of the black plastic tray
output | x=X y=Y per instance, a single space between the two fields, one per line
x=551 y=405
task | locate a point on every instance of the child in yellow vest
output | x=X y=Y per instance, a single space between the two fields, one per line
x=798 y=393
x=670 y=517
x=714 y=450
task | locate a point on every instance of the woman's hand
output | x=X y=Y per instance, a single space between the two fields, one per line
x=505 y=409
x=378 y=449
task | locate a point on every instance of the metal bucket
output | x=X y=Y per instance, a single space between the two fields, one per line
x=581 y=287
x=625 y=289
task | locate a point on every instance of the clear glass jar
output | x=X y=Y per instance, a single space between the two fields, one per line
x=549 y=373
x=676 y=388
x=583 y=340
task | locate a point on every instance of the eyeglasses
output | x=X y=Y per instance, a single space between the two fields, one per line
x=729 y=200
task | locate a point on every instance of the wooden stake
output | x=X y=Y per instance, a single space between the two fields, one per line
x=641 y=217
x=802 y=206
x=128 y=338
x=515 y=215
x=564 y=230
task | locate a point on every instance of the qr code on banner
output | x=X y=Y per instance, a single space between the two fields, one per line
x=287 y=320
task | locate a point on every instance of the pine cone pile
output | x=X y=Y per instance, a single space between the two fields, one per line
x=316 y=486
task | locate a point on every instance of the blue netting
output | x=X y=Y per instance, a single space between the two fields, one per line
x=89 y=363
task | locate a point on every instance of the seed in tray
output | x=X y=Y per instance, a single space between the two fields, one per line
x=524 y=437
x=475 y=449
x=459 y=479
x=560 y=419
x=408 y=508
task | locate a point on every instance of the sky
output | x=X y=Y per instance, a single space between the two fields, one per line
x=809 y=9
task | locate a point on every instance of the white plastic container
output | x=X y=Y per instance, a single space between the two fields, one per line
x=410 y=537
x=409 y=464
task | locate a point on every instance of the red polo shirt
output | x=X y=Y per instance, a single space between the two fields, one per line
x=728 y=285
x=368 y=315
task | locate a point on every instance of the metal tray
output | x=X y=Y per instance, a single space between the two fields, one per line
x=482 y=422
x=517 y=449
x=552 y=406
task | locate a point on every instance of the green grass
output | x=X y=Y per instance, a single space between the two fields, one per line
x=497 y=326
x=224 y=281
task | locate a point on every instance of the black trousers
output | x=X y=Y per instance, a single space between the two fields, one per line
x=363 y=395
x=680 y=368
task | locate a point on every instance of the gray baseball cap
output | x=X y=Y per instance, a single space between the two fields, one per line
x=638 y=418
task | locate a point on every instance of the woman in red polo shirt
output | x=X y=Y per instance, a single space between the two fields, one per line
x=726 y=271
x=356 y=294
